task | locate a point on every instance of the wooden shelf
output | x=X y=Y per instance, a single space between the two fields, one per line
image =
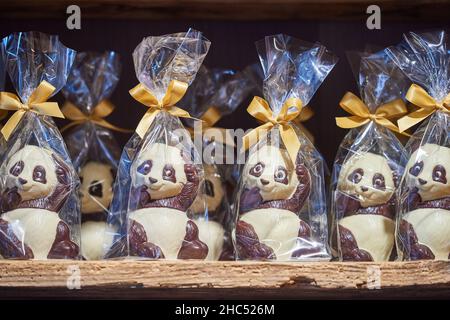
x=228 y=9
x=197 y=280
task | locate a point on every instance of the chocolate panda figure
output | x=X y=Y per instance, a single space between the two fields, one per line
x=212 y=230
x=365 y=208
x=97 y=181
x=424 y=230
x=275 y=190
x=165 y=183
x=37 y=184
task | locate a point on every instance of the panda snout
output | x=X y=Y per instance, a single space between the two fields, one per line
x=422 y=182
x=364 y=189
x=152 y=180
x=22 y=181
x=265 y=182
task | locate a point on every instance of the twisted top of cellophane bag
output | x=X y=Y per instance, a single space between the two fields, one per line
x=91 y=82
x=93 y=78
x=160 y=59
x=379 y=80
x=425 y=59
x=292 y=68
x=33 y=57
x=223 y=89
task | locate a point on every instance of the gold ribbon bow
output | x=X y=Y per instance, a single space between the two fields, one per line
x=174 y=93
x=427 y=104
x=37 y=103
x=102 y=110
x=259 y=109
x=362 y=115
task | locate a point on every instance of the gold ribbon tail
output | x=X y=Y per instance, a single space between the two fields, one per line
x=427 y=104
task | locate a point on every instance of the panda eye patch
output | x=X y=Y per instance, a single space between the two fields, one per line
x=280 y=175
x=257 y=169
x=145 y=167
x=439 y=174
x=39 y=174
x=17 y=168
x=378 y=182
x=96 y=189
x=169 y=173
x=209 y=188
x=416 y=169
x=356 y=175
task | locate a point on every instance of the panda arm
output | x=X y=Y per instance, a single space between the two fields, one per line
x=185 y=198
x=298 y=199
x=58 y=197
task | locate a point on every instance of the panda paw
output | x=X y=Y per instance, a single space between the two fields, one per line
x=192 y=247
x=63 y=247
x=302 y=174
x=349 y=247
x=248 y=245
x=191 y=173
x=410 y=243
x=10 y=246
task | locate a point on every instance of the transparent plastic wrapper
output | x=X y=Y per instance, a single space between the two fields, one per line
x=3 y=113
x=423 y=226
x=40 y=217
x=160 y=171
x=90 y=140
x=215 y=93
x=255 y=76
x=369 y=163
x=281 y=204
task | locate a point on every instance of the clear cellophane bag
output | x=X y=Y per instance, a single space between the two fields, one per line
x=40 y=216
x=161 y=173
x=368 y=168
x=281 y=211
x=216 y=93
x=94 y=149
x=423 y=222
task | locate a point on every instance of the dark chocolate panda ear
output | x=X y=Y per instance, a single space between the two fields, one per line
x=62 y=170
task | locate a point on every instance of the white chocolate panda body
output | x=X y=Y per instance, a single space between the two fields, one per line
x=367 y=178
x=160 y=170
x=95 y=237
x=211 y=232
x=35 y=227
x=432 y=227
x=165 y=227
x=39 y=181
x=270 y=171
x=96 y=193
x=428 y=170
x=276 y=228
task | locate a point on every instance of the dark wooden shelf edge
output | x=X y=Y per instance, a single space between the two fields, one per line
x=224 y=280
x=229 y=10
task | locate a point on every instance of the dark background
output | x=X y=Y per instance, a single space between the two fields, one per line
x=232 y=47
